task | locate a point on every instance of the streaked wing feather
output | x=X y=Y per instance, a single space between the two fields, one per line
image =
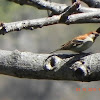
x=71 y=44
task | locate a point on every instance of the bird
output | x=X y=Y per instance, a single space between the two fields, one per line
x=80 y=43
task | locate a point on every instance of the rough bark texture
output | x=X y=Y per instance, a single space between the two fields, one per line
x=43 y=4
x=88 y=17
x=76 y=67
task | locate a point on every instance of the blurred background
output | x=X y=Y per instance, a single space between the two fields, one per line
x=43 y=40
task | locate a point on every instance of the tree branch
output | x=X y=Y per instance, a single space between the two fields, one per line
x=75 y=67
x=39 y=23
x=92 y=3
x=54 y=7
x=71 y=9
x=86 y=9
x=28 y=24
x=43 y=4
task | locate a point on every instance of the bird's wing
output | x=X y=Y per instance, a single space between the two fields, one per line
x=71 y=44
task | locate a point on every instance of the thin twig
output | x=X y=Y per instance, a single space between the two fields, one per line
x=82 y=16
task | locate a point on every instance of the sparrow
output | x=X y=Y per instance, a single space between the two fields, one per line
x=80 y=43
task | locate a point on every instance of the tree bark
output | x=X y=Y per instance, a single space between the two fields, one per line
x=74 y=67
x=92 y=3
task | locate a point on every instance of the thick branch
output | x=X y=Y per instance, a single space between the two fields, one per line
x=76 y=67
x=83 y=17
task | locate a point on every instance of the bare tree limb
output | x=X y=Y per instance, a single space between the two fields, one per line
x=82 y=16
x=71 y=9
x=39 y=23
x=28 y=24
x=86 y=9
x=92 y=3
x=54 y=7
x=75 y=67
x=43 y=4
x=82 y=21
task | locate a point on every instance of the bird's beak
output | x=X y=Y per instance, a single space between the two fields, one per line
x=97 y=35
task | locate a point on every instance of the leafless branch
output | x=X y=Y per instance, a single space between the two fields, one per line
x=28 y=24
x=92 y=3
x=43 y=4
x=39 y=23
x=82 y=17
x=75 y=67
x=54 y=7
x=71 y=9
x=86 y=9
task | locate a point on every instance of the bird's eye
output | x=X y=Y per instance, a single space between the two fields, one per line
x=93 y=33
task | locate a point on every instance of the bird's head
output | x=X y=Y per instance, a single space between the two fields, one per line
x=98 y=30
x=93 y=35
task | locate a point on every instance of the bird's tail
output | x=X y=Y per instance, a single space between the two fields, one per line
x=55 y=50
